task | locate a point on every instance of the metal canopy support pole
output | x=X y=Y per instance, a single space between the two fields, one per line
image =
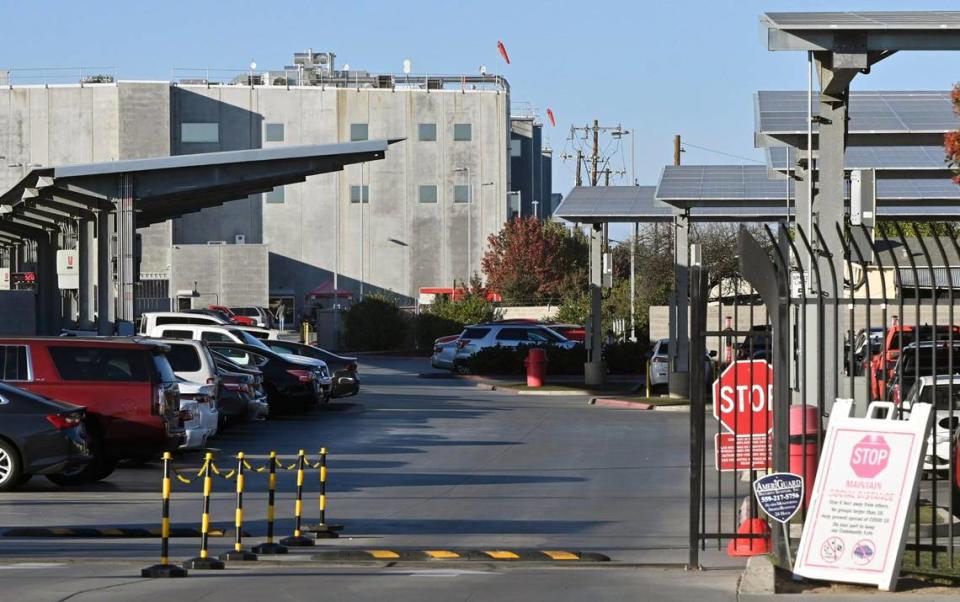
x=679 y=377
x=87 y=269
x=104 y=276
x=836 y=71
x=126 y=232
x=47 y=309
x=633 y=282
x=594 y=373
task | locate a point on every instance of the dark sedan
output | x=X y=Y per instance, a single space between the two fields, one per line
x=289 y=385
x=38 y=436
x=343 y=369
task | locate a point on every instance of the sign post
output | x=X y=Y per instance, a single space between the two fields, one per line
x=780 y=495
x=867 y=480
x=743 y=403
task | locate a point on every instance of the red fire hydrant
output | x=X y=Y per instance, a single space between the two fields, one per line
x=536 y=364
x=803 y=446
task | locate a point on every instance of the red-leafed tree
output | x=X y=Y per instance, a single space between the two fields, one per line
x=951 y=141
x=531 y=260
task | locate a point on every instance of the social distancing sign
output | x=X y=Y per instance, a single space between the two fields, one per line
x=866 y=484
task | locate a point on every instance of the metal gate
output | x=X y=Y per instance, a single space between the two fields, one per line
x=861 y=314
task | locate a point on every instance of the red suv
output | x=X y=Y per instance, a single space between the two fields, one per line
x=128 y=387
x=232 y=317
x=882 y=364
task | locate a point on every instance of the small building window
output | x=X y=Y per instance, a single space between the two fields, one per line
x=276 y=195
x=199 y=132
x=516 y=147
x=462 y=132
x=428 y=193
x=360 y=194
x=461 y=193
x=359 y=132
x=427 y=132
x=274 y=132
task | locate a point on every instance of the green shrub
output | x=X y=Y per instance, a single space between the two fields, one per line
x=446 y=317
x=375 y=324
x=428 y=327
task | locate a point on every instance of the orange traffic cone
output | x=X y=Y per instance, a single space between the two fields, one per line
x=751 y=546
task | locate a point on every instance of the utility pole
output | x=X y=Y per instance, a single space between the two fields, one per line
x=595 y=156
x=678 y=378
x=579 y=163
x=676 y=150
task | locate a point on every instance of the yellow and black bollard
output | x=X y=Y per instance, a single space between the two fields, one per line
x=270 y=547
x=238 y=552
x=297 y=540
x=322 y=530
x=203 y=561
x=165 y=569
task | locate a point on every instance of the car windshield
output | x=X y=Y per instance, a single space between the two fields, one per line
x=248 y=339
x=474 y=333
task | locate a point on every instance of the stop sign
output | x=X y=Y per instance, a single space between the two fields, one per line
x=743 y=398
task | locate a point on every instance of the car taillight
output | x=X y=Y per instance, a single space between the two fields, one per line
x=304 y=376
x=896 y=394
x=159 y=402
x=461 y=344
x=64 y=421
x=352 y=367
x=659 y=360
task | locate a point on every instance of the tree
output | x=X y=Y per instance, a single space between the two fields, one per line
x=951 y=141
x=530 y=260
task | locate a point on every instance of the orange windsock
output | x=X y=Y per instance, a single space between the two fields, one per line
x=503 y=51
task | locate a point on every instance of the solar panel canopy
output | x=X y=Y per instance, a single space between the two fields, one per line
x=862 y=31
x=924 y=116
x=737 y=185
x=882 y=158
x=593 y=204
x=863 y=20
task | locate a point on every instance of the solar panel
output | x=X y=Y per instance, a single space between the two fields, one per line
x=785 y=112
x=904 y=158
x=692 y=185
x=863 y=20
x=605 y=203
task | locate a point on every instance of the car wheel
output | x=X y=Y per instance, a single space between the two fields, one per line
x=97 y=469
x=11 y=469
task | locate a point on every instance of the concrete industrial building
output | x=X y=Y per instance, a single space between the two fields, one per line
x=531 y=168
x=418 y=218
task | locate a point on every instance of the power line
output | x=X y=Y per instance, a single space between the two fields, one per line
x=719 y=152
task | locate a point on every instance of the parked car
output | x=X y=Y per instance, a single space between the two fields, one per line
x=291 y=384
x=232 y=317
x=149 y=321
x=444 y=352
x=198 y=411
x=482 y=336
x=263 y=318
x=944 y=395
x=127 y=386
x=883 y=363
x=757 y=342
x=660 y=363
x=345 y=380
x=864 y=348
x=917 y=360
x=264 y=334
x=245 y=382
x=573 y=332
x=237 y=334
x=38 y=436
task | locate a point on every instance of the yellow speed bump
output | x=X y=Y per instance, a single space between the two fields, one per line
x=383 y=554
x=557 y=555
x=501 y=554
x=441 y=554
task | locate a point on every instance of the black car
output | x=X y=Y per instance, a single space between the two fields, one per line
x=290 y=386
x=918 y=361
x=343 y=369
x=39 y=436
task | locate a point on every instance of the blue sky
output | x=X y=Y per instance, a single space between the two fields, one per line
x=686 y=67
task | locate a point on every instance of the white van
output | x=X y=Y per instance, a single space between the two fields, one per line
x=152 y=319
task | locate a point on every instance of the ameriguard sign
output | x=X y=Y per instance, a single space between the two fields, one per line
x=866 y=483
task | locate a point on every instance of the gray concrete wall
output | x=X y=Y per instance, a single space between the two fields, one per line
x=224 y=274
x=144 y=131
x=393 y=243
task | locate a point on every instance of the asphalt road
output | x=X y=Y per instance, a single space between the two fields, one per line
x=414 y=463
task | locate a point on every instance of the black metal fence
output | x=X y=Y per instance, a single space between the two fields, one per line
x=871 y=320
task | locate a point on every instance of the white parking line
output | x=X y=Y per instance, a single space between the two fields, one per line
x=30 y=565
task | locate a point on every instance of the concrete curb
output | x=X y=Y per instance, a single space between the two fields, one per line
x=758 y=578
x=607 y=402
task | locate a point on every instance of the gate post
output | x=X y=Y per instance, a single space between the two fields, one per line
x=698 y=318
x=771 y=282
